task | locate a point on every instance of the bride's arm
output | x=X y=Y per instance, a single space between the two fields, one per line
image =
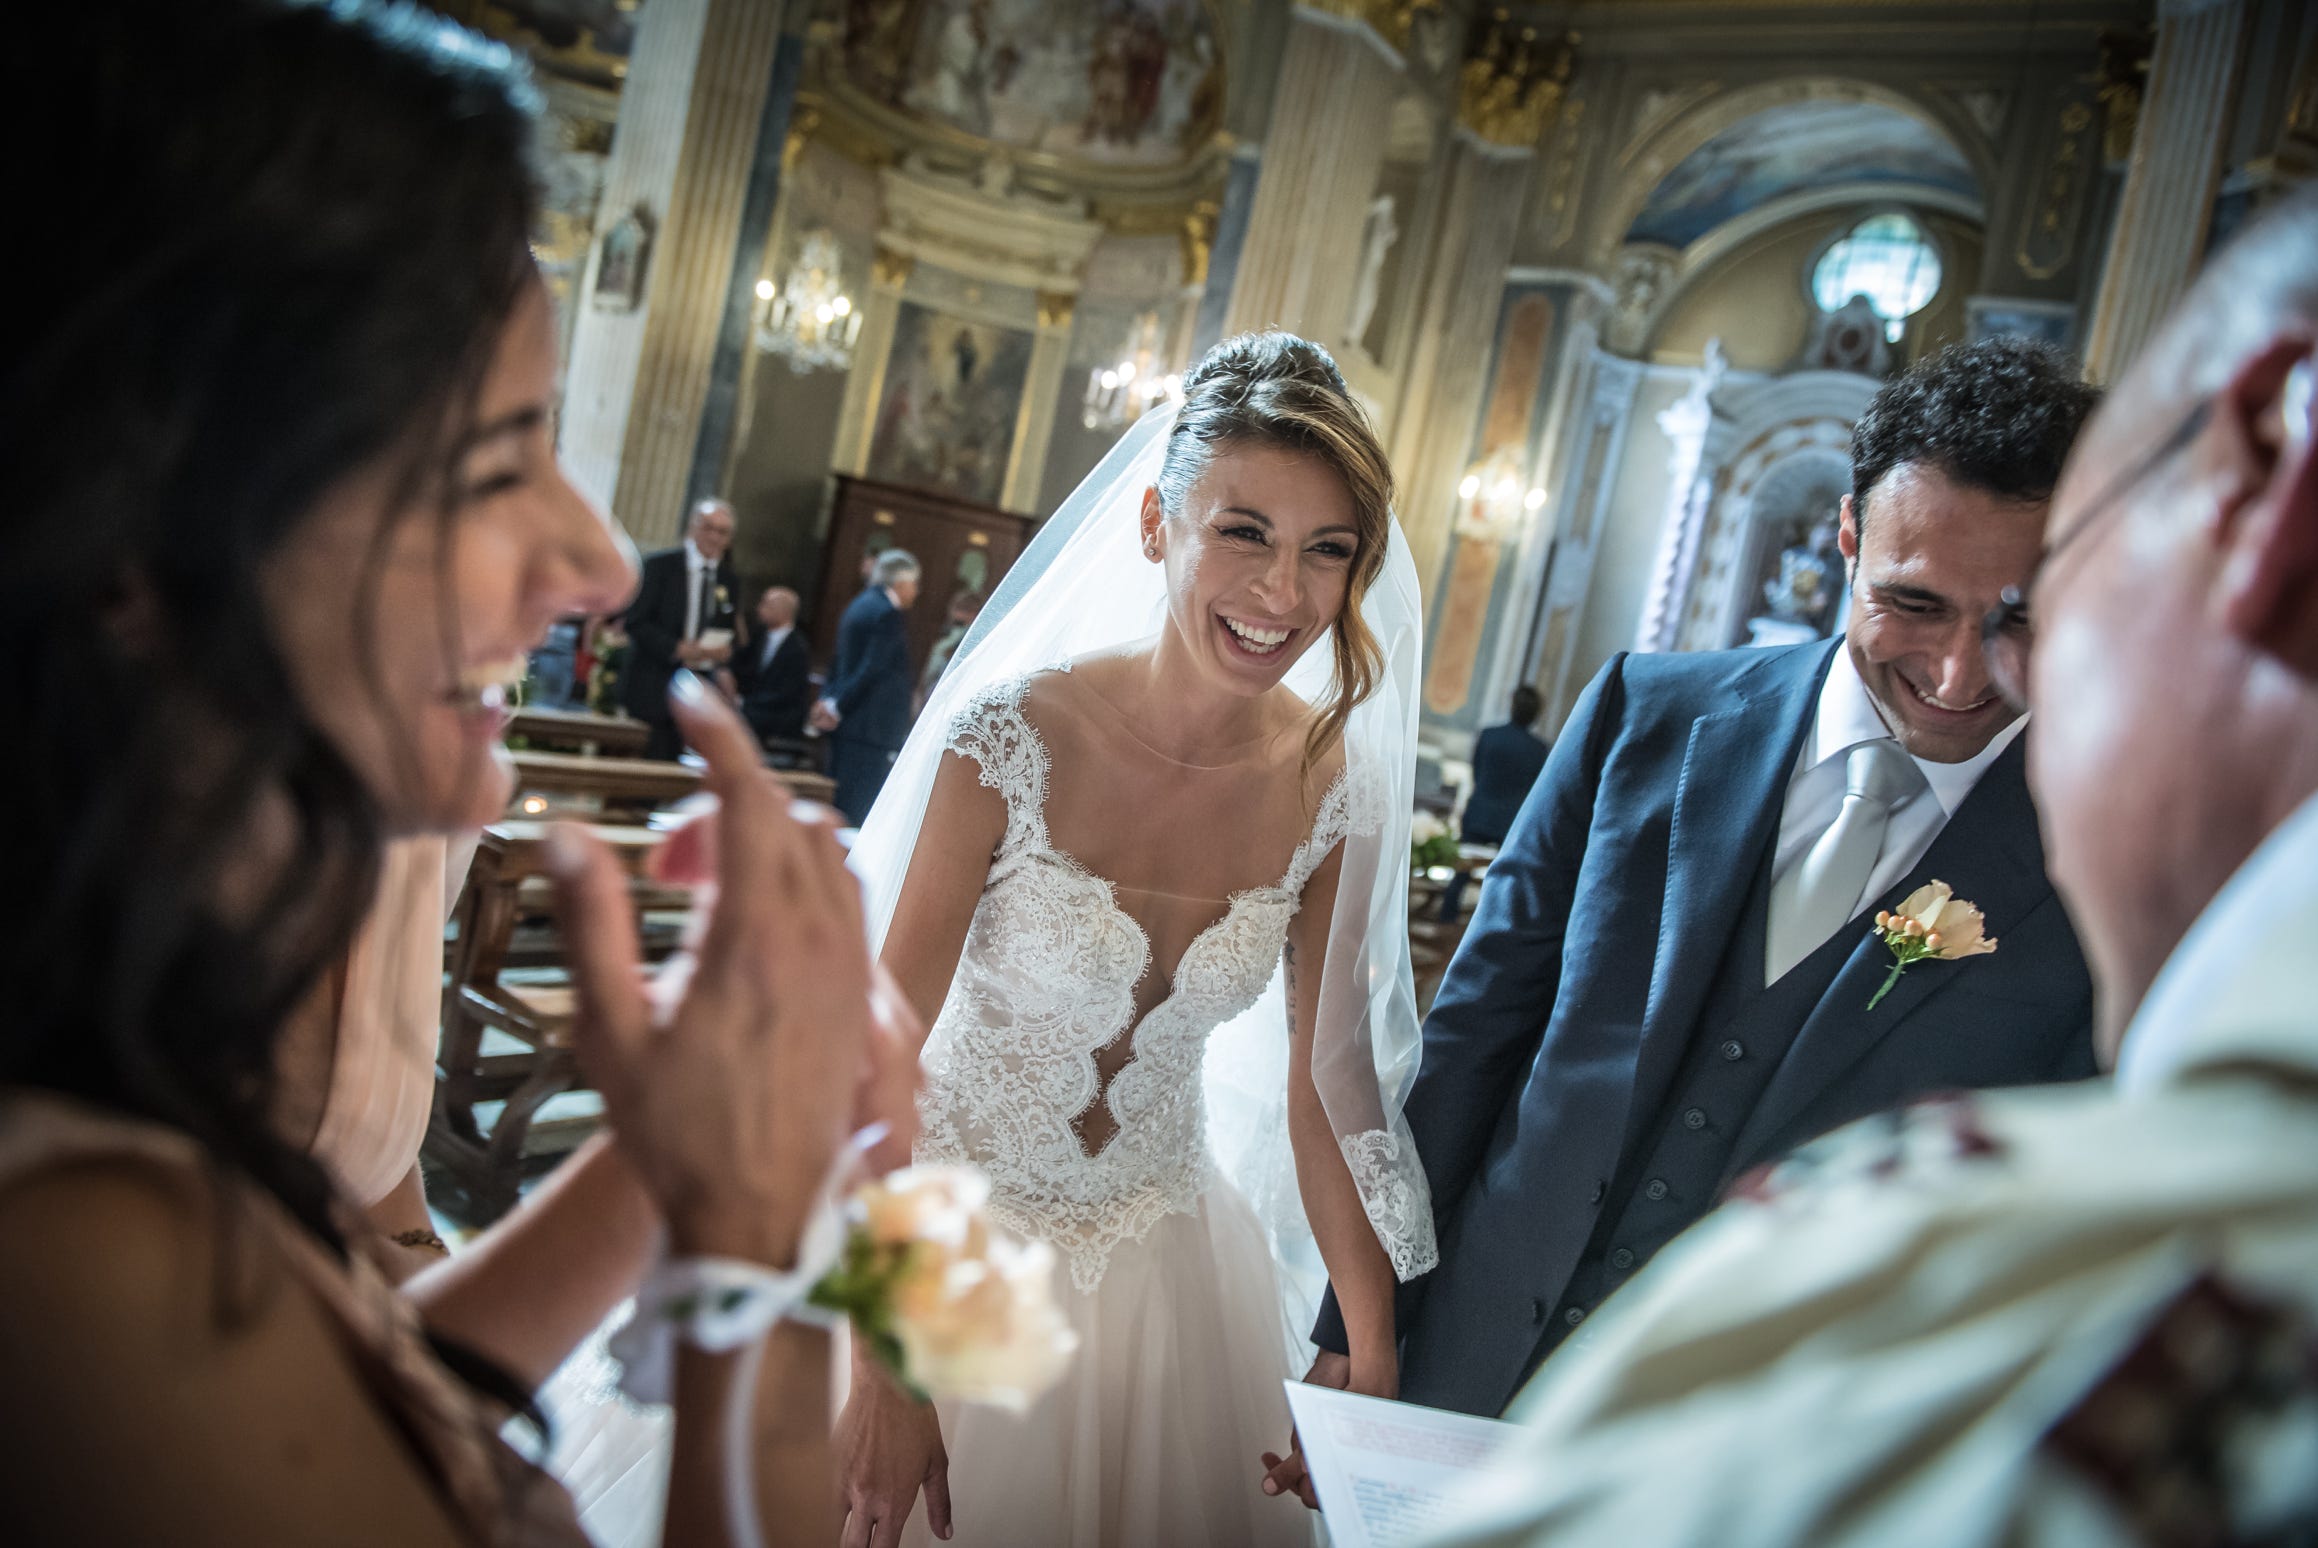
x=889 y=1445
x=964 y=822
x=1358 y=1266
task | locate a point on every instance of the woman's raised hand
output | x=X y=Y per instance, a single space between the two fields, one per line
x=732 y=1084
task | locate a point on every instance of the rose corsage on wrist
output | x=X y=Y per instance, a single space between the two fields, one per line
x=953 y=1307
x=1932 y=924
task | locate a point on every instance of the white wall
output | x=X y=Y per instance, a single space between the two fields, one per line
x=1629 y=541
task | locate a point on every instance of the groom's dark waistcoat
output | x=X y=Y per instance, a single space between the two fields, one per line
x=1579 y=1101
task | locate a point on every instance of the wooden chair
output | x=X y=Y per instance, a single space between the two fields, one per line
x=528 y=1000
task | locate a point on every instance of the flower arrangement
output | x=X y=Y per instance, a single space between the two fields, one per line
x=1932 y=924
x=1432 y=841
x=952 y=1308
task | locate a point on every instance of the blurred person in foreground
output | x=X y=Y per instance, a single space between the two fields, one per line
x=2088 y=1314
x=284 y=520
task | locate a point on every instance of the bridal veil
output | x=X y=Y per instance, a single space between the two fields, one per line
x=1084 y=587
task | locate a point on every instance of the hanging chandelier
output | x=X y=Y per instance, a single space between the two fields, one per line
x=810 y=321
x=1119 y=393
x=1493 y=499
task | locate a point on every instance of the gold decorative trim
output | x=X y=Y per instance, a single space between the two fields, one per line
x=891 y=270
x=1513 y=81
x=1055 y=308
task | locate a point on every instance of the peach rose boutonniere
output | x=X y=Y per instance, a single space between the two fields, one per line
x=952 y=1307
x=1933 y=923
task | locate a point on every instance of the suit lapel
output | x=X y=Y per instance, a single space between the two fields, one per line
x=1989 y=852
x=1727 y=804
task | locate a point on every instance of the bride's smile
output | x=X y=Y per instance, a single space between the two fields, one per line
x=1259 y=561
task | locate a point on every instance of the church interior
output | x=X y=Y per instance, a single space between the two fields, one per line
x=1613 y=278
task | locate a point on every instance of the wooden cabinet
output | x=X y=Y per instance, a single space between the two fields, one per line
x=962 y=547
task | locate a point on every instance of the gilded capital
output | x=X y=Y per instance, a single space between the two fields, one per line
x=1198 y=234
x=891 y=270
x=1513 y=82
x=1055 y=308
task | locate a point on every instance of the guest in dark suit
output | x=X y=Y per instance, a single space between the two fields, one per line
x=1667 y=980
x=1506 y=762
x=685 y=592
x=774 y=672
x=865 y=709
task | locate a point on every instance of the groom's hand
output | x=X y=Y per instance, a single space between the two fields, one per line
x=1287 y=1475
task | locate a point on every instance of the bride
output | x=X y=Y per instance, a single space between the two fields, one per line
x=1153 y=831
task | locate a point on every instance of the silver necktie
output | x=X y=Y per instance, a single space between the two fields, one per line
x=1822 y=891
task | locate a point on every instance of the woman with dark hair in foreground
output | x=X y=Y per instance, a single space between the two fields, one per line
x=284 y=517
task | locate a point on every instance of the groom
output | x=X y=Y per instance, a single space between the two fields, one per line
x=1667 y=981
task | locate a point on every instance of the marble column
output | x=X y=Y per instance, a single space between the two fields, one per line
x=1596 y=448
x=865 y=383
x=1299 y=261
x=1449 y=361
x=2175 y=174
x=1041 y=398
x=691 y=115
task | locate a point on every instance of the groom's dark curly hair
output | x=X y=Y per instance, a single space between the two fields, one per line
x=1997 y=415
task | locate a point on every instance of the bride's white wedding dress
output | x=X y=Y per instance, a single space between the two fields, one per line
x=1153 y=1438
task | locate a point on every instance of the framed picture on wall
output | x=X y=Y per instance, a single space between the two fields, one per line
x=946 y=414
x=621 y=254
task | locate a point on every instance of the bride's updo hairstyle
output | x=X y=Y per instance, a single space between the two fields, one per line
x=1275 y=389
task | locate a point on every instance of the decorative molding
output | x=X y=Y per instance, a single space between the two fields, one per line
x=1646 y=272
x=988 y=229
x=1658 y=106
x=2059 y=192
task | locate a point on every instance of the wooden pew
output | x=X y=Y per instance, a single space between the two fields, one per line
x=486 y=992
x=579 y=731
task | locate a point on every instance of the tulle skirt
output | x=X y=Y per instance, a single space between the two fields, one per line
x=1153 y=1438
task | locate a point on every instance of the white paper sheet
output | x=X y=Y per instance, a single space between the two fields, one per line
x=1387 y=1472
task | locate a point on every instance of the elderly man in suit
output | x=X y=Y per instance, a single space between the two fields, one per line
x=2085 y=1315
x=1667 y=980
x=774 y=673
x=682 y=617
x=865 y=707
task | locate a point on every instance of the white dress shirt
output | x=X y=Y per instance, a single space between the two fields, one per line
x=695 y=562
x=1846 y=717
x=772 y=643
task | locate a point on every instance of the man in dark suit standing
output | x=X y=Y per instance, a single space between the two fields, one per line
x=682 y=617
x=775 y=671
x=865 y=708
x=1506 y=762
x=1667 y=980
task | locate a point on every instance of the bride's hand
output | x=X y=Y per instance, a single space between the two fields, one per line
x=889 y=1446
x=1379 y=1377
x=731 y=1100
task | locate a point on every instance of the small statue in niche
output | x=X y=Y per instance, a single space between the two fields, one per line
x=1376 y=242
x=1809 y=584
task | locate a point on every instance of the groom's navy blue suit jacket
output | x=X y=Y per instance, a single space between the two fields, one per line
x=1556 y=1105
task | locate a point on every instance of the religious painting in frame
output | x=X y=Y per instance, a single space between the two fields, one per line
x=946 y=413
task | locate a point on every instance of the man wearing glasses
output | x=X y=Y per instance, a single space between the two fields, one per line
x=2081 y=1315
x=1669 y=978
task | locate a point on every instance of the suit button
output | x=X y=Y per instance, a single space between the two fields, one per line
x=1600 y=1188
x=1574 y=1316
x=1537 y=1313
x=1623 y=1258
x=1655 y=1189
x=1695 y=1118
x=1734 y=1050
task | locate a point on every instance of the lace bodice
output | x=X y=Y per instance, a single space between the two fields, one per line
x=1047 y=981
